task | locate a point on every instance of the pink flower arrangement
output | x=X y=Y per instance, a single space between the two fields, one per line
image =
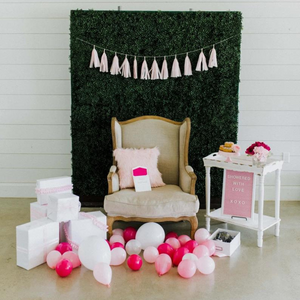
x=251 y=150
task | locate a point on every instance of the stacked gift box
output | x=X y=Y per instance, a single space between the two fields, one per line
x=55 y=218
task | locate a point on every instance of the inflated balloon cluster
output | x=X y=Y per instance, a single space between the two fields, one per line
x=164 y=251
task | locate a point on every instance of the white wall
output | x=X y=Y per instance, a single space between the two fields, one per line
x=35 y=84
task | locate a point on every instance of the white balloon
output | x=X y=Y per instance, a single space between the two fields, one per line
x=93 y=250
x=150 y=234
x=150 y=254
x=133 y=247
x=118 y=231
x=205 y=265
x=201 y=235
x=103 y=273
x=118 y=256
x=190 y=256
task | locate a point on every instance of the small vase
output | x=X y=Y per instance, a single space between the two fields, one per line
x=258 y=162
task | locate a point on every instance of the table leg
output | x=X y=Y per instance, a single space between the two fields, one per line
x=207 y=191
x=277 y=202
x=260 y=231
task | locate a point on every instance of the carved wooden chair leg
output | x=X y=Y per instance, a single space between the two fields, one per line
x=110 y=222
x=194 y=225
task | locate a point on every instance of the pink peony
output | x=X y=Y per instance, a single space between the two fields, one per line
x=250 y=150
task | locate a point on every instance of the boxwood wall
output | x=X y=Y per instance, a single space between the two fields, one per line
x=209 y=98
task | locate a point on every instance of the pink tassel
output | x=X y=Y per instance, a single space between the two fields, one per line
x=135 y=72
x=187 y=66
x=201 y=64
x=114 y=69
x=164 y=74
x=155 y=74
x=125 y=68
x=213 y=58
x=144 y=70
x=175 y=69
x=104 y=62
x=94 y=59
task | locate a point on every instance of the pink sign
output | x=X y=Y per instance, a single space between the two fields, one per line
x=238 y=194
x=139 y=172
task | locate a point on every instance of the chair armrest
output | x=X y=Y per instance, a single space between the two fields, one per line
x=193 y=177
x=113 y=180
x=188 y=180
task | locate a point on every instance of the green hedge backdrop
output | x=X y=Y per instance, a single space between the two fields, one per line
x=209 y=98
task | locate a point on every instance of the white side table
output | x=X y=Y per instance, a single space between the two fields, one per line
x=260 y=222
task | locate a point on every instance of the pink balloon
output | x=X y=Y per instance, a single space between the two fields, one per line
x=63 y=247
x=129 y=234
x=178 y=255
x=118 y=231
x=134 y=262
x=171 y=234
x=73 y=258
x=118 y=256
x=191 y=245
x=201 y=250
x=205 y=265
x=64 y=267
x=210 y=246
x=187 y=268
x=53 y=258
x=183 y=239
x=173 y=242
x=116 y=239
x=201 y=235
x=116 y=245
x=150 y=254
x=163 y=264
x=166 y=248
x=102 y=273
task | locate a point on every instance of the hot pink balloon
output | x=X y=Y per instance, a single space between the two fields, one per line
x=150 y=254
x=129 y=233
x=163 y=264
x=178 y=255
x=53 y=258
x=117 y=239
x=173 y=242
x=166 y=248
x=116 y=245
x=205 y=265
x=118 y=231
x=191 y=245
x=210 y=246
x=64 y=267
x=73 y=258
x=201 y=250
x=201 y=235
x=187 y=268
x=63 y=247
x=134 y=262
x=118 y=256
x=102 y=273
x=183 y=239
x=171 y=234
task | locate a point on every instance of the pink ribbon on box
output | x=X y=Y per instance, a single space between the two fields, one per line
x=37 y=214
x=54 y=189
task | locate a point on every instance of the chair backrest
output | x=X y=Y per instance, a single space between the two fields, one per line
x=171 y=138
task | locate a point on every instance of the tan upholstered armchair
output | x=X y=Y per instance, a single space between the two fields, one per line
x=176 y=201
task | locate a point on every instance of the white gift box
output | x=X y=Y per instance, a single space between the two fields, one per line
x=87 y=224
x=224 y=248
x=63 y=207
x=34 y=241
x=50 y=186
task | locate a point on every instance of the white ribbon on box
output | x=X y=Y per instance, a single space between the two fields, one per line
x=37 y=211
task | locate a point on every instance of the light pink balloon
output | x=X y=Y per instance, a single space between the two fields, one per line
x=53 y=258
x=201 y=250
x=117 y=238
x=201 y=235
x=205 y=265
x=118 y=256
x=102 y=273
x=183 y=239
x=73 y=258
x=187 y=268
x=173 y=242
x=150 y=254
x=118 y=231
x=210 y=246
x=163 y=264
x=190 y=256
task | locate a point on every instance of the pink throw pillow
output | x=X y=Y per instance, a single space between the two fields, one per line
x=130 y=158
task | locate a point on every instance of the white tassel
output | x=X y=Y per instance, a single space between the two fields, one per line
x=114 y=69
x=175 y=68
x=213 y=58
x=104 y=62
x=164 y=74
x=201 y=64
x=155 y=74
x=135 y=72
x=144 y=70
x=187 y=66
x=94 y=59
x=125 y=68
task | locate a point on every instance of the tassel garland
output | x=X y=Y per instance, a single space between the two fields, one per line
x=144 y=70
x=201 y=64
x=155 y=74
x=114 y=69
x=94 y=59
x=125 y=68
x=187 y=66
x=164 y=74
x=175 y=68
x=104 y=62
x=135 y=72
x=213 y=58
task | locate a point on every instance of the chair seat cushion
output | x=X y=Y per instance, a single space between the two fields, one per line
x=161 y=202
